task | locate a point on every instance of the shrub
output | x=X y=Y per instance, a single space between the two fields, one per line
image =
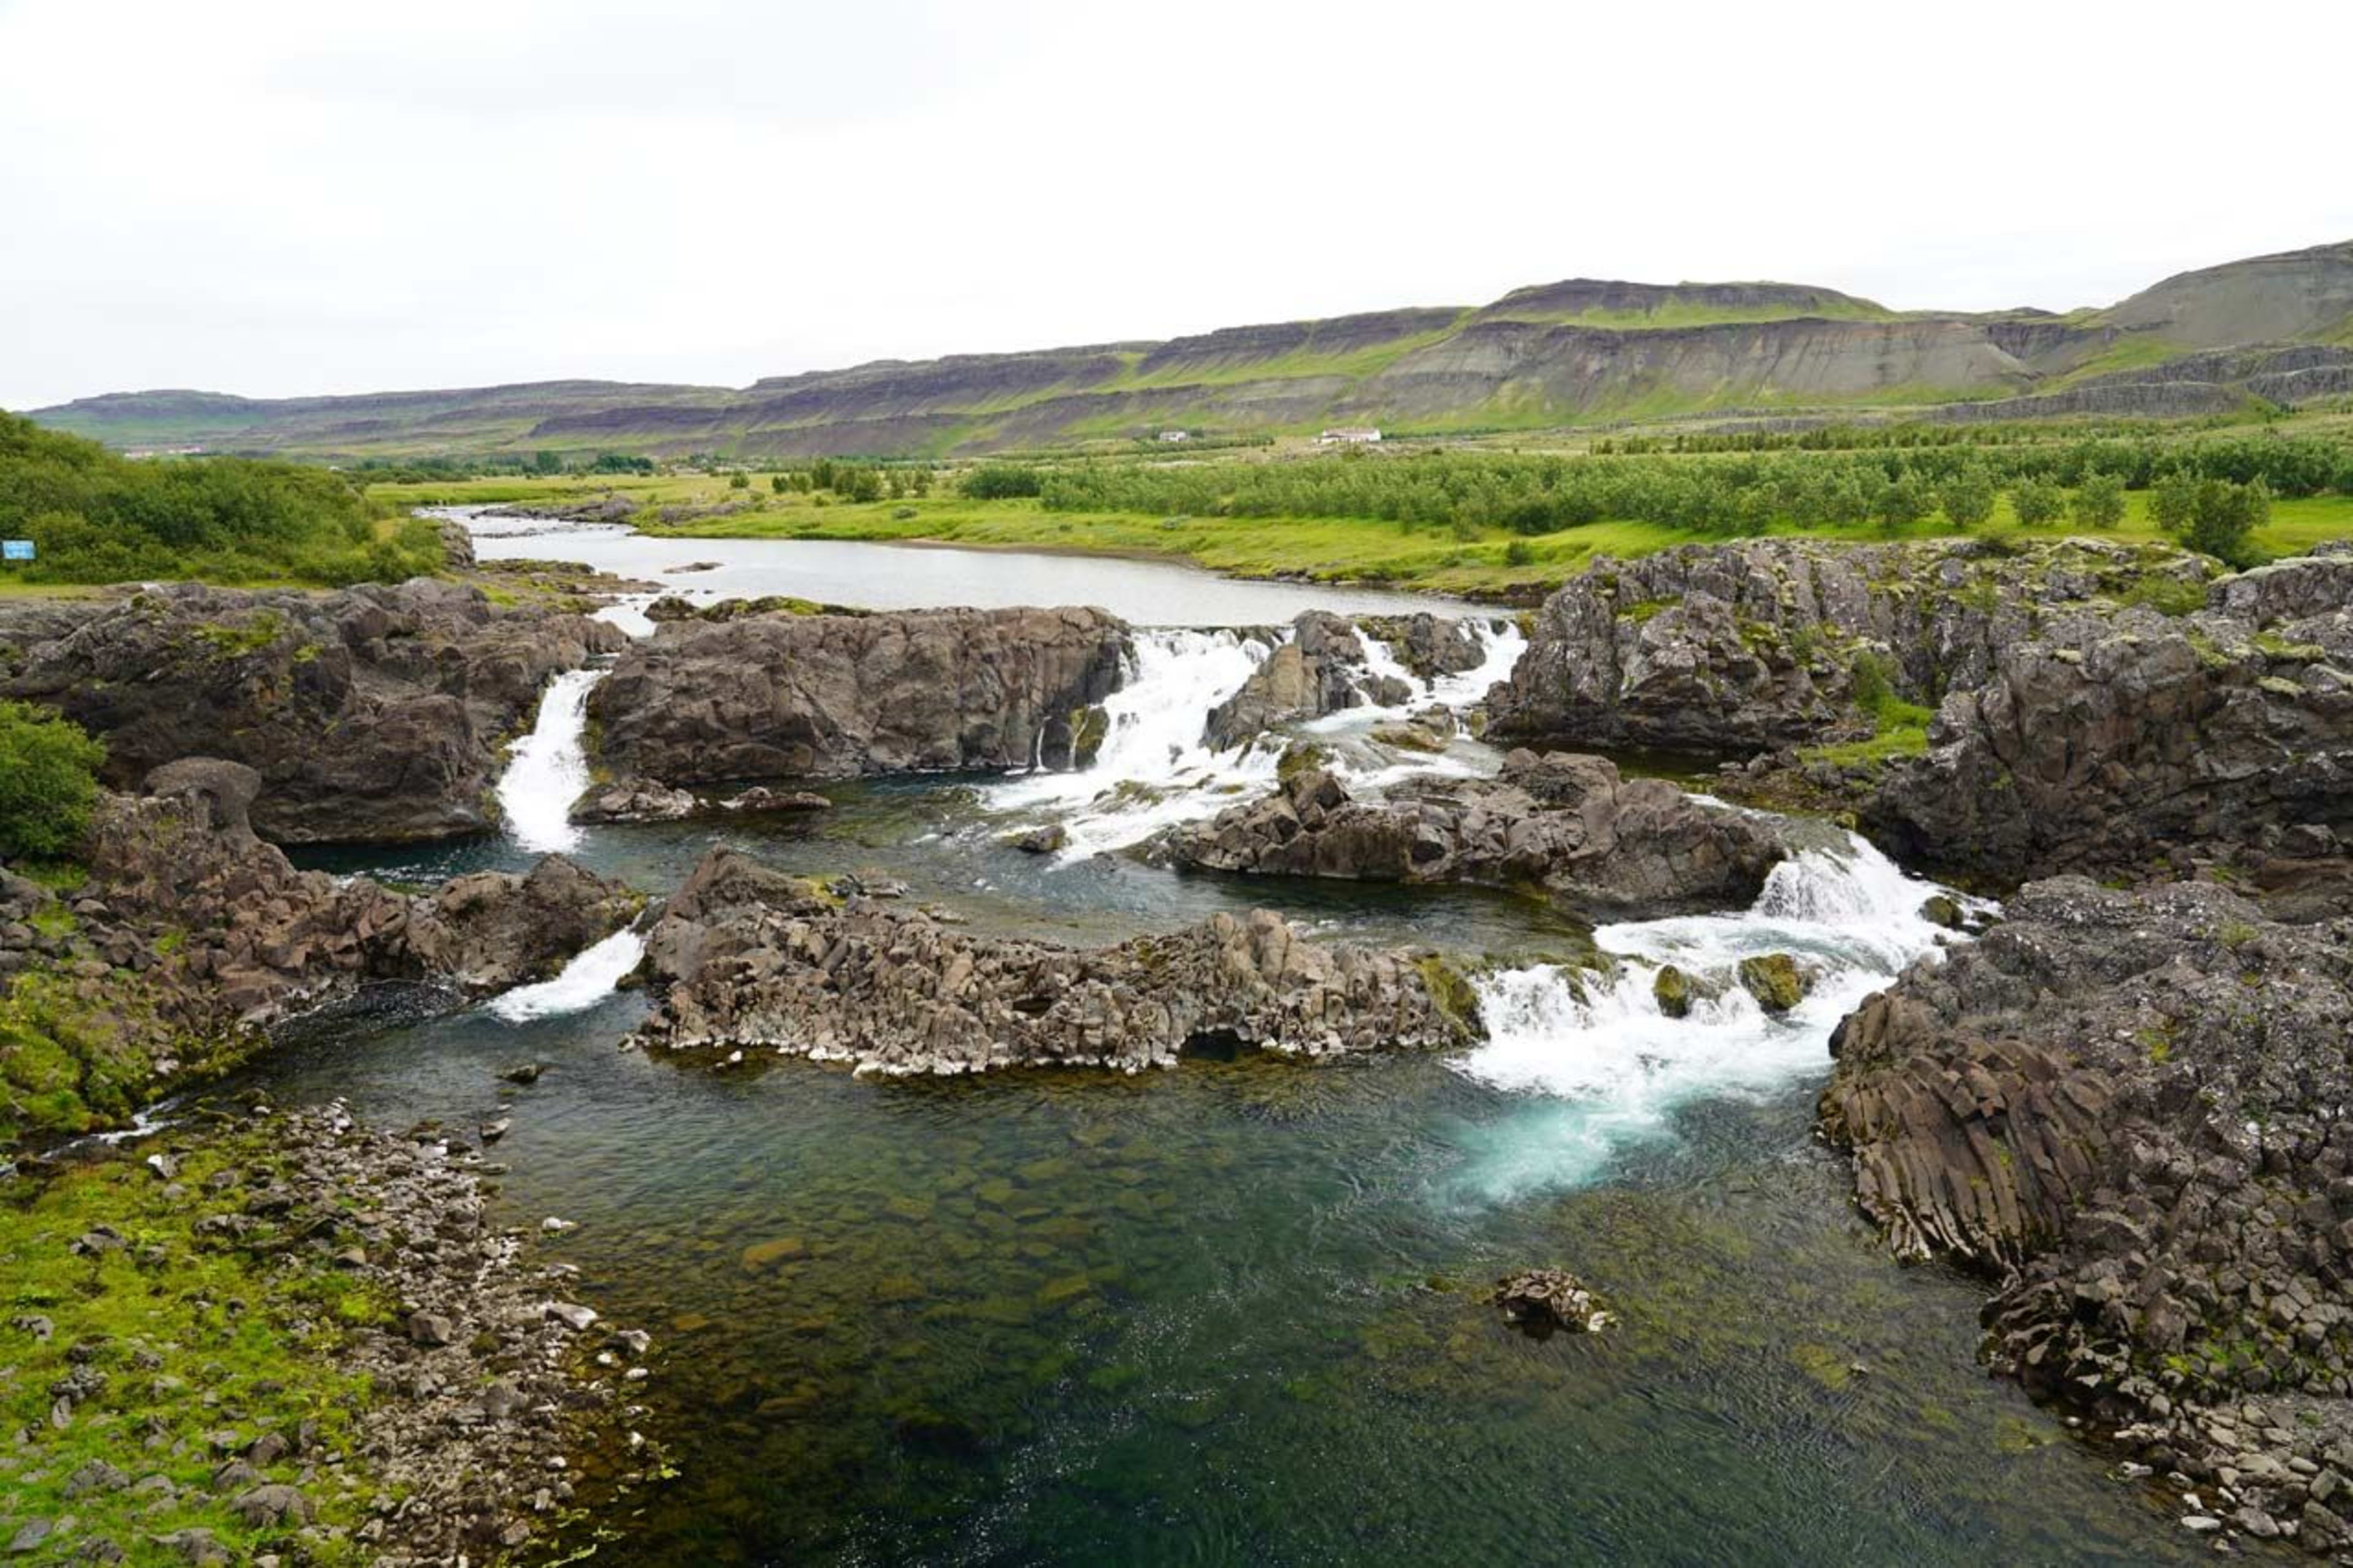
x=2037 y=503
x=1003 y=481
x=48 y=780
x=1967 y=498
x=2099 y=502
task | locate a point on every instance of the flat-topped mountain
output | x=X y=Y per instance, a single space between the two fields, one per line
x=1581 y=350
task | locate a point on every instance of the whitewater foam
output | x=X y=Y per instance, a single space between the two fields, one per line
x=587 y=979
x=550 y=768
x=1607 y=1069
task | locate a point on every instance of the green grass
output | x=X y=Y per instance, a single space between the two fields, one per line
x=191 y=1338
x=1329 y=549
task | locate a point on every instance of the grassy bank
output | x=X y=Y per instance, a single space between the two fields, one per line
x=1469 y=560
x=180 y=1349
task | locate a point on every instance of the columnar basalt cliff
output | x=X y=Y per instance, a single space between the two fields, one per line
x=373 y=714
x=1742 y=647
x=1595 y=841
x=744 y=958
x=2143 y=740
x=2128 y=1107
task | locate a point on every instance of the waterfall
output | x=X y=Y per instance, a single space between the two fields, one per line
x=1605 y=1069
x=1151 y=770
x=549 y=768
x=587 y=979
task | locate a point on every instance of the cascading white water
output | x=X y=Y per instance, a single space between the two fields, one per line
x=1611 y=1070
x=1153 y=769
x=587 y=979
x=550 y=768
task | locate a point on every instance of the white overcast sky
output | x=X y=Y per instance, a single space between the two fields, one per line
x=276 y=199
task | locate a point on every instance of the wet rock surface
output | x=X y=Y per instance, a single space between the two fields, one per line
x=375 y=713
x=782 y=697
x=1742 y=647
x=1320 y=668
x=746 y=958
x=2128 y=1106
x=1570 y=825
x=1543 y=1299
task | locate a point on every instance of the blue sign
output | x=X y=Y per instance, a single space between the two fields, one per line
x=15 y=549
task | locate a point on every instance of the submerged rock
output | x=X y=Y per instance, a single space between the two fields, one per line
x=1570 y=825
x=745 y=956
x=1542 y=1299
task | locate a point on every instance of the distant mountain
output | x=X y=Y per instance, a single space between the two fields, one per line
x=1576 y=352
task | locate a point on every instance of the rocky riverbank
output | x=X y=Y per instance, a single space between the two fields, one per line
x=741 y=957
x=1570 y=827
x=373 y=714
x=182 y=937
x=2127 y=1106
x=289 y=1338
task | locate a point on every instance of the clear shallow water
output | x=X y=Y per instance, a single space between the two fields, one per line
x=1230 y=1314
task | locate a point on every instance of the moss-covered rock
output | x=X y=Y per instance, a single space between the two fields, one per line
x=1777 y=981
x=1672 y=990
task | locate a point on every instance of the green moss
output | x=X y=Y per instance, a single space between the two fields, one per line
x=191 y=1336
x=234 y=639
x=1775 y=980
x=1450 y=991
x=1090 y=727
x=2274 y=645
x=54 y=919
x=1642 y=610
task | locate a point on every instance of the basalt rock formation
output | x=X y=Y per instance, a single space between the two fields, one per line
x=1320 y=668
x=785 y=696
x=2144 y=742
x=1742 y=648
x=373 y=714
x=1598 y=842
x=2128 y=1106
x=191 y=935
x=746 y=958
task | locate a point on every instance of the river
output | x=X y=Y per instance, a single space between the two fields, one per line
x=1231 y=1313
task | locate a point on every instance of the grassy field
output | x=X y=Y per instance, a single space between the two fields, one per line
x=1495 y=563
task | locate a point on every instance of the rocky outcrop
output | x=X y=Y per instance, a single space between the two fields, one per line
x=191 y=935
x=1742 y=648
x=785 y=696
x=642 y=800
x=1429 y=645
x=2143 y=740
x=744 y=958
x=1572 y=825
x=373 y=714
x=2128 y=1105
x=1320 y=668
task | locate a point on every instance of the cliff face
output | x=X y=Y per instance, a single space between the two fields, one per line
x=1553 y=353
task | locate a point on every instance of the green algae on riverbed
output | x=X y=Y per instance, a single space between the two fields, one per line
x=1234 y=1312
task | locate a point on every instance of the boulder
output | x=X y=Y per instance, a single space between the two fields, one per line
x=1320 y=668
x=1543 y=1299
